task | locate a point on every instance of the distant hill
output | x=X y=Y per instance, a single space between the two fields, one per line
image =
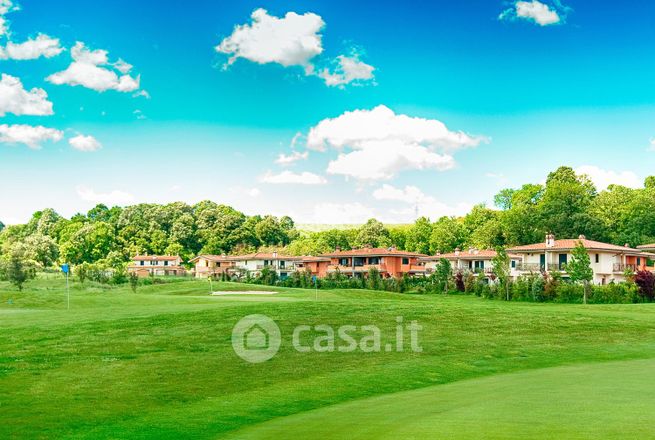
x=318 y=227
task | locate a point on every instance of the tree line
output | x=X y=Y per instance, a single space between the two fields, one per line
x=566 y=204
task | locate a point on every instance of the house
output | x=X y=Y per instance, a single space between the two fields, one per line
x=147 y=265
x=318 y=266
x=211 y=265
x=283 y=265
x=474 y=261
x=389 y=261
x=216 y=265
x=608 y=261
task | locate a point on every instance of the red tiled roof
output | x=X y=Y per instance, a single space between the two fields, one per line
x=262 y=256
x=210 y=258
x=310 y=259
x=646 y=246
x=570 y=243
x=366 y=252
x=155 y=258
x=471 y=254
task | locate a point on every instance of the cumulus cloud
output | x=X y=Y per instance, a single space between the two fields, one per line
x=292 y=40
x=536 y=11
x=604 y=178
x=111 y=198
x=32 y=136
x=6 y=6
x=378 y=144
x=84 y=143
x=349 y=70
x=341 y=213
x=288 y=159
x=92 y=69
x=415 y=200
x=15 y=99
x=31 y=49
x=304 y=178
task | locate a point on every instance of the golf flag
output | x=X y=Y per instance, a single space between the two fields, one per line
x=65 y=268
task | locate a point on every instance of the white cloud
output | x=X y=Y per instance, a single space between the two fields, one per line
x=651 y=146
x=253 y=192
x=84 y=143
x=32 y=136
x=6 y=6
x=31 y=49
x=111 y=198
x=536 y=11
x=415 y=198
x=604 y=178
x=341 y=213
x=86 y=71
x=349 y=70
x=15 y=99
x=292 y=40
x=304 y=178
x=288 y=159
x=378 y=144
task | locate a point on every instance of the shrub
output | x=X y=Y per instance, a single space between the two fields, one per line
x=645 y=280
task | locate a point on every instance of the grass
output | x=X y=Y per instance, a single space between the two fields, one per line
x=159 y=363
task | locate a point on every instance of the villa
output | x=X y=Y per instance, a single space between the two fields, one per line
x=318 y=266
x=215 y=265
x=389 y=261
x=475 y=261
x=147 y=265
x=608 y=261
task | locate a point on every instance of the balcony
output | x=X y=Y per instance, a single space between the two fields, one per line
x=538 y=267
x=350 y=269
x=620 y=267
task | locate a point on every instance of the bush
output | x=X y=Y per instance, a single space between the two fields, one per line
x=645 y=280
x=569 y=293
x=612 y=293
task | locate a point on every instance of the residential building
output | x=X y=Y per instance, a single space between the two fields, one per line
x=211 y=265
x=389 y=261
x=476 y=261
x=147 y=265
x=318 y=266
x=608 y=261
x=216 y=265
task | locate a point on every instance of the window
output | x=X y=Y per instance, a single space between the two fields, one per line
x=166 y=263
x=513 y=264
x=344 y=261
x=358 y=261
x=281 y=264
x=597 y=258
x=479 y=265
x=374 y=260
x=638 y=261
x=563 y=259
x=143 y=263
x=405 y=260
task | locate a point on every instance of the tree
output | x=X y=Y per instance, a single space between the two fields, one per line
x=443 y=272
x=579 y=268
x=501 y=269
x=448 y=233
x=134 y=281
x=17 y=267
x=42 y=249
x=373 y=233
x=418 y=236
x=645 y=280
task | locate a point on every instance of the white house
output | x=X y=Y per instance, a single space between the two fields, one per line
x=146 y=265
x=213 y=265
x=608 y=261
x=473 y=260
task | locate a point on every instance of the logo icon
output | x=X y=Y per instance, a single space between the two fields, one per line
x=256 y=338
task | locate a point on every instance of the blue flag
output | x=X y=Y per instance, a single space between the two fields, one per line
x=65 y=268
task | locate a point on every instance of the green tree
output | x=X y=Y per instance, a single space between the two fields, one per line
x=418 y=236
x=134 y=281
x=17 y=268
x=42 y=249
x=373 y=233
x=579 y=268
x=442 y=273
x=501 y=269
x=448 y=233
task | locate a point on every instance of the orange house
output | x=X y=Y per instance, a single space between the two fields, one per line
x=389 y=261
x=318 y=266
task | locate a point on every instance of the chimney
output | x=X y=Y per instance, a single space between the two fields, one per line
x=550 y=240
x=457 y=250
x=274 y=254
x=337 y=248
x=581 y=237
x=627 y=245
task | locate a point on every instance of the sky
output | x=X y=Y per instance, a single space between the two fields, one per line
x=327 y=111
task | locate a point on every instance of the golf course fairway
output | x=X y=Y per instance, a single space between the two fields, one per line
x=574 y=402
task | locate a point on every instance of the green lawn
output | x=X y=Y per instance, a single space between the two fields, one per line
x=159 y=364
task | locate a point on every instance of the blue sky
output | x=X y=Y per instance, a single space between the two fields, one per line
x=521 y=86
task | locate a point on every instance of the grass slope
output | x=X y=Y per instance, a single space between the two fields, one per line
x=159 y=363
x=605 y=400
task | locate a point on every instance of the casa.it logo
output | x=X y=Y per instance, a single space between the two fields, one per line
x=256 y=338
